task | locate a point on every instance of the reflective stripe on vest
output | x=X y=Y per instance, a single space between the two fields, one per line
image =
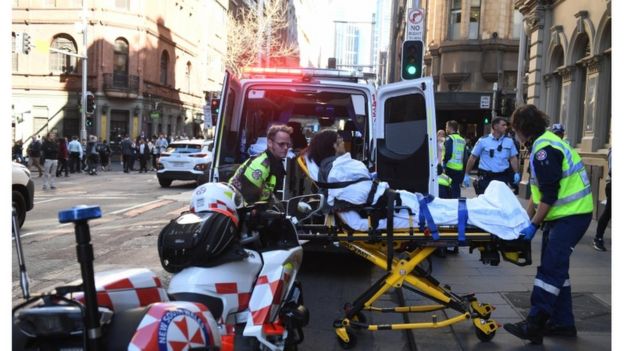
x=574 y=196
x=456 y=161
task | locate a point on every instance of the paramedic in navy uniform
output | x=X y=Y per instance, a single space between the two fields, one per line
x=496 y=152
x=561 y=201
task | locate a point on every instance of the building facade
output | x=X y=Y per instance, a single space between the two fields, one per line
x=469 y=46
x=150 y=65
x=568 y=65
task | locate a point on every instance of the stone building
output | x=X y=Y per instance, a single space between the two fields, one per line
x=568 y=66
x=150 y=65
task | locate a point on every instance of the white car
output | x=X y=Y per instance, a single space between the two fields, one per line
x=185 y=160
x=23 y=192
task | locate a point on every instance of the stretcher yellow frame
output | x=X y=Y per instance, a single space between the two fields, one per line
x=400 y=253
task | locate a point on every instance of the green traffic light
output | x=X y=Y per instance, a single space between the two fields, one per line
x=411 y=70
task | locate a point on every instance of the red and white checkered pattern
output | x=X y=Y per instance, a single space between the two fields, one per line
x=267 y=294
x=233 y=291
x=128 y=288
x=175 y=326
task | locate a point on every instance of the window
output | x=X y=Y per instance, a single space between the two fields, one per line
x=120 y=63
x=164 y=67
x=60 y=62
x=475 y=15
x=455 y=20
x=517 y=25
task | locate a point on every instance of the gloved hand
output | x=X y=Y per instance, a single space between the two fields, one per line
x=467 y=181
x=529 y=232
x=516 y=178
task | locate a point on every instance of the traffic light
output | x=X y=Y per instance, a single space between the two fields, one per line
x=90 y=103
x=498 y=101
x=26 y=43
x=486 y=120
x=411 y=59
x=214 y=110
x=89 y=122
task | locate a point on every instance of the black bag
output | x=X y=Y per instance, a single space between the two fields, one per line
x=199 y=239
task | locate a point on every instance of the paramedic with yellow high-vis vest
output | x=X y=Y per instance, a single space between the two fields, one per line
x=453 y=159
x=258 y=177
x=561 y=202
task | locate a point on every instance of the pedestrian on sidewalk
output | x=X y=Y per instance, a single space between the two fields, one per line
x=144 y=152
x=564 y=210
x=50 y=152
x=34 y=154
x=63 y=157
x=105 y=152
x=606 y=213
x=126 y=153
x=75 y=155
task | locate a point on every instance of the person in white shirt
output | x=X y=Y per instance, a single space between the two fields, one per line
x=75 y=155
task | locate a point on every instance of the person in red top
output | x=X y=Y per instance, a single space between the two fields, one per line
x=63 y=158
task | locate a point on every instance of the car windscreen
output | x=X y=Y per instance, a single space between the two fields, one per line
x=306 y=109
x=183 y=148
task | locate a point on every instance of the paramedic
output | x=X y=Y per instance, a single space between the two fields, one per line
x=258 y=176
x=454 y=157
x=496 y=152
x=561 y=201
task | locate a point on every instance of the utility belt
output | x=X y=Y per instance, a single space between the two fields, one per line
x=488 y=174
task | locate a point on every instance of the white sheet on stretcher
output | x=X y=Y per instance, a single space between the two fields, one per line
x=496 y=211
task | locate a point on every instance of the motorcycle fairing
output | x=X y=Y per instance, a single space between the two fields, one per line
x=123 y=289
x=176 y=325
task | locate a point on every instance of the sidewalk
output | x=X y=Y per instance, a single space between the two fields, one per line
x=508 y=288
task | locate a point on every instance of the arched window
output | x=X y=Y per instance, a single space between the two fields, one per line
x=120 y=63
x=164 y=67
x=60 y=62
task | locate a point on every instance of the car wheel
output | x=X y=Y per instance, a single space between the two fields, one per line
x=19 y=204
x=165 y=183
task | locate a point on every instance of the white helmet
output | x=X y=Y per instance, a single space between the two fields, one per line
x=217 y=197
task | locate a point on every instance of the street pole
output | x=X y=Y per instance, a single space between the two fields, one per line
x=520 y=73
x=83 y=98
x=259 y=41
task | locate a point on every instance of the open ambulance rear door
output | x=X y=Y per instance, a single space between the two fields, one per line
x=405 y=136
x=228 y=121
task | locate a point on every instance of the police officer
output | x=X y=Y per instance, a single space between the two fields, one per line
x=559 y=130
x=257 y=177
x=561 y=201
x=496 y=152
x=453 y=160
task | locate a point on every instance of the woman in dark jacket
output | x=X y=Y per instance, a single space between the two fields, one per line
x=63 y=157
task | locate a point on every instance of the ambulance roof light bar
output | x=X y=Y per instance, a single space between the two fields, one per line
x=262 y=72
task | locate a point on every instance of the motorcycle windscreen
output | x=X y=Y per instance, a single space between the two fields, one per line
x=405 y=148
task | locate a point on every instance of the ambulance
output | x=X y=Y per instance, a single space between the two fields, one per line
x=391 y=128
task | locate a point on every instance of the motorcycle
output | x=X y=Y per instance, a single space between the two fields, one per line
x=254 y=303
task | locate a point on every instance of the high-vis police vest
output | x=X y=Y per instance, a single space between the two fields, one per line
x=257 y=171
x=456 y=161
x=574 y=196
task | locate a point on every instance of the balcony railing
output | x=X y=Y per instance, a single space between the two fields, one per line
x=121 y=83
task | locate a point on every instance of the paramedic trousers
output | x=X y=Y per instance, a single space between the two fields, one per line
x=457 y=178
x=552 y=293
x=485 y=177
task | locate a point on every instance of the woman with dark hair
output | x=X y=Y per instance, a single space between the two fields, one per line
x=561 y=202
x=325 y=144
x=63 y=156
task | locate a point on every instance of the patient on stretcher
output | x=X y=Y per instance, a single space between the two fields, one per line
x=496 y=211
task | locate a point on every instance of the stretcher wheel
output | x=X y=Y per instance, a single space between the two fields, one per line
x=483 y=336
x=352 y=341
x=359 y=317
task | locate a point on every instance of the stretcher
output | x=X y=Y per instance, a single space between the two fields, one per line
x=402 y=253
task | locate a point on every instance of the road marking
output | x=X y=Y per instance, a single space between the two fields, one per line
x=133 y=207
x=48 y=200
x=178 y=211
x=137 y=211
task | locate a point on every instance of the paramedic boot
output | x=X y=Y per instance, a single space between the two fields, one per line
x=531 y=329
